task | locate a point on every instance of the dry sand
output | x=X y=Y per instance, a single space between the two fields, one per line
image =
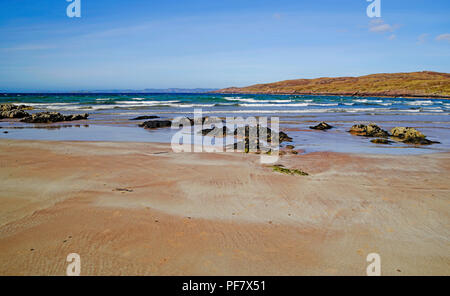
x=218 y=214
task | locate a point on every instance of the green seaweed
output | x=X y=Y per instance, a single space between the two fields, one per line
x=280 y=169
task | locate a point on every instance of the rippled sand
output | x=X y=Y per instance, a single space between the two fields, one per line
x=140 y=209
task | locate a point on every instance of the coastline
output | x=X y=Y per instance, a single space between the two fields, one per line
x=139 y=208
x=348 y=95
x=425 y=84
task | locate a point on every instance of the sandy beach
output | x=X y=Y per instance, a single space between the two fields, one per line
x=140 y=209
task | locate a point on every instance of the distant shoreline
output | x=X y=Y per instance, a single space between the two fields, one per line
x=407 y=96
x=425 y=84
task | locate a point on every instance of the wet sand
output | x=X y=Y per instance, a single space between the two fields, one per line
x=140 y=209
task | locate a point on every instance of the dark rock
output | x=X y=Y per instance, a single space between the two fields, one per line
x=13 y=111
x=16 y=113
x=284 y=137
x=247 y=131
x=10 y=107
x=156 y=124
x=145 y=117
x=76 y=117
x=381 y=141
x=50 y=117
x=410 y=135
x=204 y=119
x=371 y=130
x=5 y=132
x=215 y=132
x=322 y=126
x=7 y=107
x=123 y=190
x=290 y=146
x=245 y=145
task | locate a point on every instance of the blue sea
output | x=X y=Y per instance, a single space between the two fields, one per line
x=110 y=116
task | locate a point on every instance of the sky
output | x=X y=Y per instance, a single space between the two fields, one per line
x=138 y=44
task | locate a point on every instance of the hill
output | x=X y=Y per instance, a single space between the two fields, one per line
x=415 y=84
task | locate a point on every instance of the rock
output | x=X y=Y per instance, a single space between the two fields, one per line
x=406 y=133
x=50 y=117
x=215 y=132
x=322 y=126
x=246 y=145
x=145 y=117
x=371 y=130
x=123 y=190
x=9 y=107
x=290 y=147
x=76 y=117
x=381 y=141
x=203 y=119
x=13 y=111
x=16 y=113
x=283 y=137
x=410 y=135
x=156 y=124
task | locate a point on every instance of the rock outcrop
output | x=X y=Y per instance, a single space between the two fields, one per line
x=145 y=117
x=283 y=137
x=410 y=135
x=215 y=132
x=321 y=126
x=371 y=130
x=151 y=124
x=13 y=111
x=381 y=141
x=50 y=117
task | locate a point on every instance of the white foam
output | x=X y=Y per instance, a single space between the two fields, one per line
x=421 y=103
x=251 y=100
x=275 y=105
x=367 y=101
x=149 y=103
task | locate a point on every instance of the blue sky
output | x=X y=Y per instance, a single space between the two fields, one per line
x=137 y=44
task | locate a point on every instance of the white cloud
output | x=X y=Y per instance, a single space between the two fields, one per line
x=379 y=26
x=443 y=37
x=376 y=21
x=392 y=37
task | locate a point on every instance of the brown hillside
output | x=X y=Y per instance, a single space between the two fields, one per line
x=415 y=84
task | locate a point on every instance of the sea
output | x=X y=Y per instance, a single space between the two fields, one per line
x=111 y=114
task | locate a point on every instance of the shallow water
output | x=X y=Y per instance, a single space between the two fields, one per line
x=110 y=116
